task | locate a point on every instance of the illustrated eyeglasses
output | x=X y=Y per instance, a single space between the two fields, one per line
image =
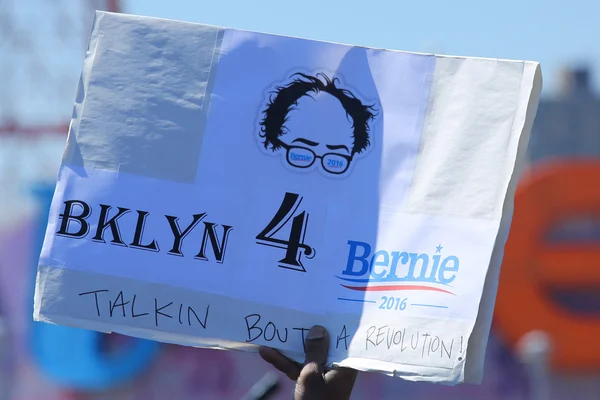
x=302 y=157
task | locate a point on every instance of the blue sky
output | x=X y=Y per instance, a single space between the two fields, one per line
x=556 y=33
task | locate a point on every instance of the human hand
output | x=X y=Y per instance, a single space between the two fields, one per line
x=313 y=381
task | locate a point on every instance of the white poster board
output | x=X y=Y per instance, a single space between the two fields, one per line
x=229 y=189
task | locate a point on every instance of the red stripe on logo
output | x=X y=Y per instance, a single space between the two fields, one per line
x=395 y=287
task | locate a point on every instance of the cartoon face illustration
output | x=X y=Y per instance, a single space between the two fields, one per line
x=316 y=123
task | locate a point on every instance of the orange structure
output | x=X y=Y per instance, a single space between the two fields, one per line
x=534 y=266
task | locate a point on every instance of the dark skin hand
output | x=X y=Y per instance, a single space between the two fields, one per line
x=313 y=380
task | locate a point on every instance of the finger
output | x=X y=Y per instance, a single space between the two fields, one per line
x=341 y=381
x=317 y=346
x=280 y=362
x=310 y=384
x=339 y=374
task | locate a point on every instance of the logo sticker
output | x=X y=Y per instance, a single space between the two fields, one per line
x=315 y=123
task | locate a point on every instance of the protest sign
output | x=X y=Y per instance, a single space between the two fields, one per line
x=228 y=189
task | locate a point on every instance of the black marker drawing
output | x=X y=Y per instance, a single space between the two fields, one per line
x=337 y=150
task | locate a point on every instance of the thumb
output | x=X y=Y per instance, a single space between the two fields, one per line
x=316 y=347
x=311 y=384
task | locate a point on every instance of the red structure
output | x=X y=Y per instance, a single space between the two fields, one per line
x=42 y=45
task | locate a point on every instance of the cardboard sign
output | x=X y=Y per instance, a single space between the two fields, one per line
x=229 y=189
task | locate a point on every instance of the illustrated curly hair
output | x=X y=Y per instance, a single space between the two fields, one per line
x=285 y=98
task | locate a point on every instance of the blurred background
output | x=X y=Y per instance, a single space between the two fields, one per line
x=545 y=340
